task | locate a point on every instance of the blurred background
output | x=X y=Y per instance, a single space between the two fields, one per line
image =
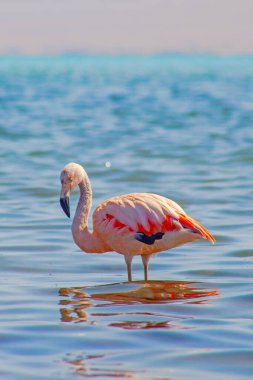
x=153 y=96
x=112 y=26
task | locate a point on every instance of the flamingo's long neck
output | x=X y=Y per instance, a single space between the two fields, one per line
x=86 y=240
x=80 y=221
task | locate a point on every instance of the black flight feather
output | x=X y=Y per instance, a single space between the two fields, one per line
x=140 y=236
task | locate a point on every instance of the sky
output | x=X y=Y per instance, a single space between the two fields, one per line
x=126 y=26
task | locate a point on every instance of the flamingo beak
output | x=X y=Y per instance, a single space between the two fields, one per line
x=65 y=205
x=64 y=201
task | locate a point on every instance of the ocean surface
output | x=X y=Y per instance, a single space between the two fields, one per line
x=176 y=125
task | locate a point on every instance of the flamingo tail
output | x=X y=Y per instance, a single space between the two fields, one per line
x=193 y=224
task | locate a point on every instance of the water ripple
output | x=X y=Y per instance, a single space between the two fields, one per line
x=180 y=126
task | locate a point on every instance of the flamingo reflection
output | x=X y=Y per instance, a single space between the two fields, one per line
x=76 y=302
x=89 y=366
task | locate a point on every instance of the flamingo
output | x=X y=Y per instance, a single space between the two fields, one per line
x=132 y=224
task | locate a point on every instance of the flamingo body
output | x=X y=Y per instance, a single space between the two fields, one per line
x=121 y=221
x=132 y=224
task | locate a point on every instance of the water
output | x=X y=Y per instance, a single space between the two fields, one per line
x=180 y=126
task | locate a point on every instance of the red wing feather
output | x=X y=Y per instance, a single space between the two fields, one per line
x=193 y=224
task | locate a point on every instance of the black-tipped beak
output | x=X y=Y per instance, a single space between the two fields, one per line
x=65 y=205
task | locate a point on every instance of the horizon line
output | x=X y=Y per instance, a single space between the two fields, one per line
x=124 y=54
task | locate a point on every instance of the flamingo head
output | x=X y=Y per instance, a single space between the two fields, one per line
x=71 y=175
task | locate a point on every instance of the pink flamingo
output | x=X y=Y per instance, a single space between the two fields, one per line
x=133 y=224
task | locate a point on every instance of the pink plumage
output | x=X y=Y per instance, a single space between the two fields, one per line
x=132 y=224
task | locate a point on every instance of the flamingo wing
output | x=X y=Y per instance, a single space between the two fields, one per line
x=148 y=217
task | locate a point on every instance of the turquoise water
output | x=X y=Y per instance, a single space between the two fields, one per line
x=180 y=126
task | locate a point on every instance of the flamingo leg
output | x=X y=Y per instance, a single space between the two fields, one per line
x=145 y=260
x=128 y=260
